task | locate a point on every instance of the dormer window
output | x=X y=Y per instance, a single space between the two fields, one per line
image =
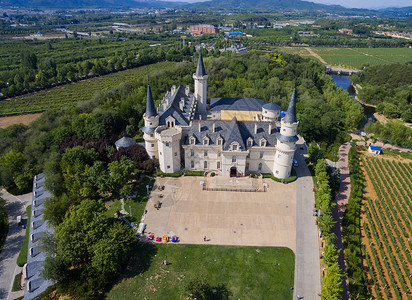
x=249 y=142
x=192 y=140
x=219 y=141
x=170 y=122
x=234 y=146
x=262 y=143
x=205 y=141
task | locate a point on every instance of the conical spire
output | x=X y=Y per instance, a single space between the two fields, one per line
x=150 y=107
x=200 y=71
x=291 y=113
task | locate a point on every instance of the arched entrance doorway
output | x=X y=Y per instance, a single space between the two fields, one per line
x=233 y=172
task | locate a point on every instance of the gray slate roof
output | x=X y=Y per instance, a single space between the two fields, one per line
x=182 y=117
x=291 y=112
x=200 y=70
x=125 y=142
x=232 y=131
x=35 y=284
x=287 y=139
x=271 y=106
x=150 y=107
x=242 y=104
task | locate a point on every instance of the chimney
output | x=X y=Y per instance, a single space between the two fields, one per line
x=256 y=128
x=214 y=127
x=182 y=103
x=270 y=128
x=173 y=89
x=200 y=126
x=187 y=90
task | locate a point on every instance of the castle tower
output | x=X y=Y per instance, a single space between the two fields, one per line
x=200 y=78
x=286 y=141
x=151 y=121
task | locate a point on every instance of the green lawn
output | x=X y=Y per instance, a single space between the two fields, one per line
x=22 y=258
x=70 y=94
x=240 y=272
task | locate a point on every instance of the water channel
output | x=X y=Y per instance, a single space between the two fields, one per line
x=344 y=82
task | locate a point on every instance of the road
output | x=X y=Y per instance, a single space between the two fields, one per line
x=307 y=261
x=8 y=268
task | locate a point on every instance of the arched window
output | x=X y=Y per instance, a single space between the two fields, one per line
x=192 y=164
x=260 y=167
x=233 y=158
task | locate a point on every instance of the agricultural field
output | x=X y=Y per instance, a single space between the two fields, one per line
x=70 y=94
x=386 y=227
x=356 y=57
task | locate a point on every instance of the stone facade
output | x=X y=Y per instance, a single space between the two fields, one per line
x=184 y=133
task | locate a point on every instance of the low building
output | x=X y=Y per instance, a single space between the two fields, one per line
x=203 y=29
x=374 y=150
x=35 y=284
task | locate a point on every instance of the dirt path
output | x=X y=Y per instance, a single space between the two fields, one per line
x=25 y=119
x=316 y=55
x=339 y=210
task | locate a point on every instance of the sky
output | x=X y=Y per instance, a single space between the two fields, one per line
x=352 y=3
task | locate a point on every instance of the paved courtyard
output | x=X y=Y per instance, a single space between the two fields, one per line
x=224 y=217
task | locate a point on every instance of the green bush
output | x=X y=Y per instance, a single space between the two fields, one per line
x=194 y=173
x=175 y=174
x=4 y=224
x=22 y=259
x=292 y=178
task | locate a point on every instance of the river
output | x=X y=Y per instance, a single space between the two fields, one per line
x=344 y=82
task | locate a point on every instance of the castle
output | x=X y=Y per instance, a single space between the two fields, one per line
x=230 y=136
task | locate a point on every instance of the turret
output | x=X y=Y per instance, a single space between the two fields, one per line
x=286 y=141
x=200 y=78
x=151 y=121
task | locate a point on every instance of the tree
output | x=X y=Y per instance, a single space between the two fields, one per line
x=315 y=153
x=391 y=110
x=332 y=283
x=88 y=250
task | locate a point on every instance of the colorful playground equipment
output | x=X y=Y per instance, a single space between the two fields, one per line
x=150 y=237
x=174 y=239
x=158 y=239
x=165 y=239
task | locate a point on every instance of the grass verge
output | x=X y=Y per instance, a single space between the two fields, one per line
x=22 y=259
x=234 y=272
x=16 y=283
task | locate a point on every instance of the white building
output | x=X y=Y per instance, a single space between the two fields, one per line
x=231 y=136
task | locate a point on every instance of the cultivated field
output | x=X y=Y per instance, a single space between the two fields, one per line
x=70 y=94
x=355 y=57
x=386 y=227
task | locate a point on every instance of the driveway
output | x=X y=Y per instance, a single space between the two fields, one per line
x=8 y=269
x=307 y=263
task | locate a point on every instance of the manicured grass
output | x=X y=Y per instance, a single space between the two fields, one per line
x=241 y=272
x=16 y=283
x=22 y=258
x=137 y=205
x=70 y=94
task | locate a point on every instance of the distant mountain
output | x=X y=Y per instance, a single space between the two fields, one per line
x=398 y=10
x=263 y=5
x=76 y=4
